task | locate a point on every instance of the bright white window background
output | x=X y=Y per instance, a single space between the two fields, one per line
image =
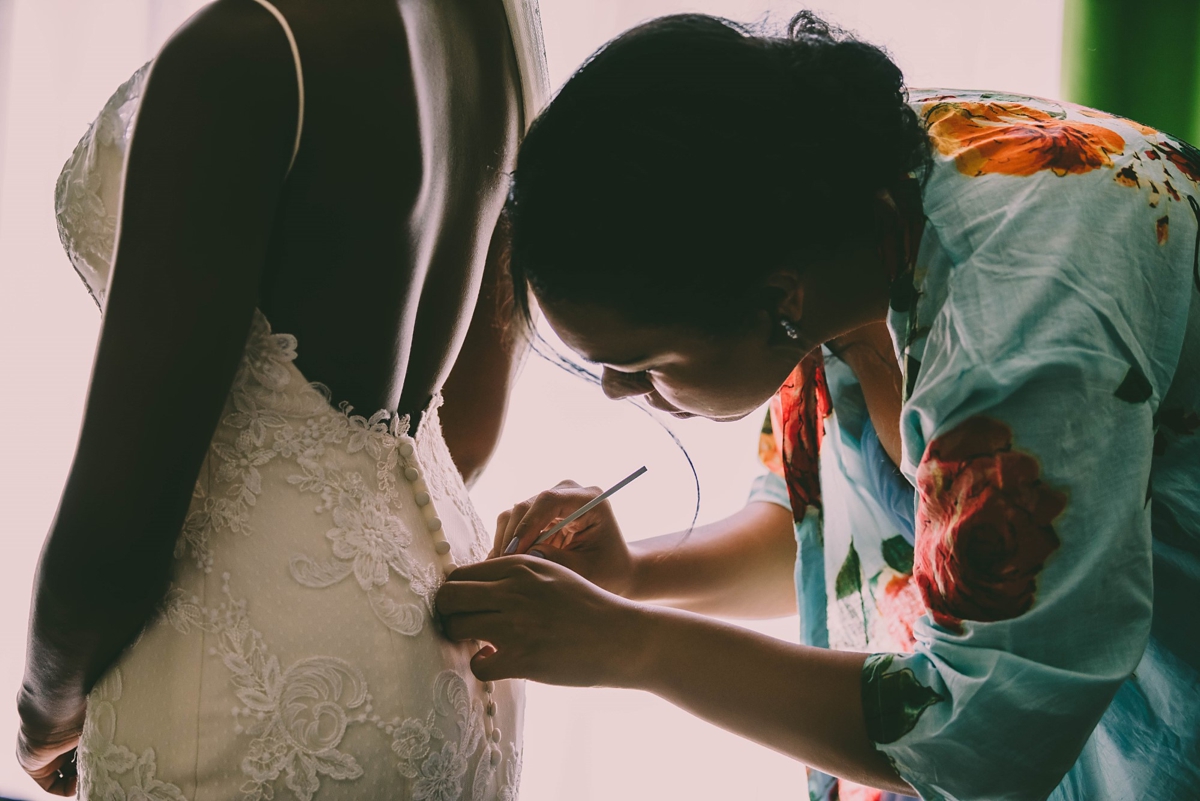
x=59 y=61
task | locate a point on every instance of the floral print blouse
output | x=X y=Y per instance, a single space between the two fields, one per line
x=1029 y=587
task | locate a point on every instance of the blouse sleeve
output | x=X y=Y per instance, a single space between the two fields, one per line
x=1034 y=560
x=770 y=488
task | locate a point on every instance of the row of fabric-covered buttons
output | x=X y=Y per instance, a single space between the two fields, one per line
x=425 y=502
x=441 y=545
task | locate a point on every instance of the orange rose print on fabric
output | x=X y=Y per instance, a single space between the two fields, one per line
x=1007 y=138
x=770 y=442
x=984 y=525
x=1144 y=130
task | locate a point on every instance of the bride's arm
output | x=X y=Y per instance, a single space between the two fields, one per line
x=476 y=393
x=211 y=147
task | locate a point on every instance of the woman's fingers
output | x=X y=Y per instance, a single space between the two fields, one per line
x=462 y=627
x=491 y=570
x=491 y=665
x=555 y=504
x=507 y=542
x=561 y=556
x=59 y=776
x=466 y=597
x=516 y=515
x=501 y=527
x=65 y=783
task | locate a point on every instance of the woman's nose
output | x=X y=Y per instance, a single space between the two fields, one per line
x=618 y=385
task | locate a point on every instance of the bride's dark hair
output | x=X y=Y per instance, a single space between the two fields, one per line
x=690 y=156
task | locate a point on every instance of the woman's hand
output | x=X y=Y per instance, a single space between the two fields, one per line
x=592 y=546
x=542 y=622
x=47 y=753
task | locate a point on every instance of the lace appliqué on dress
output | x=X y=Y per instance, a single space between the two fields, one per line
x=298 y=717
x=276 y=415
x=86 y=196
x=444 y=481
x=101 y=760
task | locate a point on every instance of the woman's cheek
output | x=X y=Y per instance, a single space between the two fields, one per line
x=722 y=399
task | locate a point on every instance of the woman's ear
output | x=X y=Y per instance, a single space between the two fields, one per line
x=787 y=293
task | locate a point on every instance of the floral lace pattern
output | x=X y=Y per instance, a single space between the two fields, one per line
x=275 y=419
x=294 y=717
x=103 y=760
x=299 y=715
x=84 y=198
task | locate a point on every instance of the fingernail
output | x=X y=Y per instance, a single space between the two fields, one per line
x=538 y=554
x=512 y=547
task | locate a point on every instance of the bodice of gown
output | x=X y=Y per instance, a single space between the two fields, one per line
x=296 y=654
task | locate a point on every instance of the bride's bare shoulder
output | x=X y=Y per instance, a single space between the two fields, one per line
x=229 y=46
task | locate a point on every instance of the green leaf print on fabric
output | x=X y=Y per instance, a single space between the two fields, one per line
x=1136 y=388
x=892 y=702
x=849 y=578
x=898 y=554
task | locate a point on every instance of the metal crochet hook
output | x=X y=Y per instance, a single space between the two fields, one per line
x=581 y=511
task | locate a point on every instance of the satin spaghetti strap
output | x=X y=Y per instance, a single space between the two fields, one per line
x=287 y=29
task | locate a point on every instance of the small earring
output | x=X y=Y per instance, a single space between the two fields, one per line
x=790 y=329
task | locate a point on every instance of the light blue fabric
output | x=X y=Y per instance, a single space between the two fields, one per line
x=1056 y=343
x=1054 y=350
x=889 y=486
x=810 y=560
x=864 y=502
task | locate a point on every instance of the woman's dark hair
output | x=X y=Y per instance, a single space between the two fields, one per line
x=689 y=157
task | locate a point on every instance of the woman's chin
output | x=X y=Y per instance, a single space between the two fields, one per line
x=715 y=418
x=730 y=418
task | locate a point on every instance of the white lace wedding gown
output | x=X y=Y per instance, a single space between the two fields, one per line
x=295 y=654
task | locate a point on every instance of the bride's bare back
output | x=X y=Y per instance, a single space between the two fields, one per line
x=411 y=124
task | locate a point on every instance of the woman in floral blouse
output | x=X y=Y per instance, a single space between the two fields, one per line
x=977 y=319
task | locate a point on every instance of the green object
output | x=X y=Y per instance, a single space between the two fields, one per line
x=1136 y=59
x=1136 y=388
x=898 y=554
x=849 y=578
x=892 y=702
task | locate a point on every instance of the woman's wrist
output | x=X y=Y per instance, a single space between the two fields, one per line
x=640 y=583
x=635 y=630
x=60 y=718
x=651 y=639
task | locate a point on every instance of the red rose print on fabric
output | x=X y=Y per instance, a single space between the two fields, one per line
x=984 y=525
x=849 y=791
x=797 y=418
